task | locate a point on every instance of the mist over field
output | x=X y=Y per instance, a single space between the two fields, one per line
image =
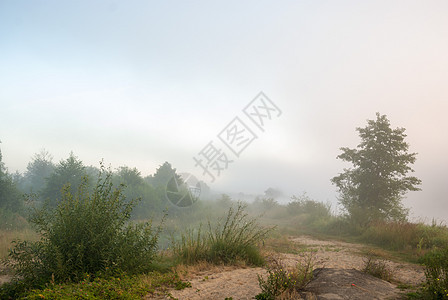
x=142 y=83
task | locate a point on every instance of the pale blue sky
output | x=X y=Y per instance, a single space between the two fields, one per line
x=142 y=82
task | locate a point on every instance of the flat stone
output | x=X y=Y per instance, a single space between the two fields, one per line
x=330 y=283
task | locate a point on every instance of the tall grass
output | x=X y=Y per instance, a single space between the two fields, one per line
x=406 y=236
x=231 y=239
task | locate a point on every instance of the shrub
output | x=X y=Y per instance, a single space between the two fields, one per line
x=436 y=272
x=86 y=233
x=311 y=213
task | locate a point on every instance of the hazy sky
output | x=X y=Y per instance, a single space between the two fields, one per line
x=142 y=82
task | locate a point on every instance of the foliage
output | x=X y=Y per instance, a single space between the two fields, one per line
x=374 y=188
x=162 y=175
x=150 y=201
x=436 y=272
x=70 y=172
x=38 y=170
x=234 y=238
x=10 y=197
x=285 y=281
x=85 y=234
x=310 y=211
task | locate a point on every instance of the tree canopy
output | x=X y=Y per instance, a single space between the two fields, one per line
x=374 y=187
x=70 y=171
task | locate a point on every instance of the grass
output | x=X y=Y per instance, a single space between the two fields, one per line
x=282 y=244
x=232 y=239
x=406 y=236
x=377 y=268
x=236 y=239
x=284 y=282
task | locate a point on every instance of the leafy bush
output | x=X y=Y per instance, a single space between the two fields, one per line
x=436 y=271
x=234 y=238
x=285 y=281
x=86 y=233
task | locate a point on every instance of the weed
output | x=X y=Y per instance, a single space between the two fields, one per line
x=282 y=280
x=377 y=268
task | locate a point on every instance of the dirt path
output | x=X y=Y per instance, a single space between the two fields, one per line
x=243 y=283
x=340 y=255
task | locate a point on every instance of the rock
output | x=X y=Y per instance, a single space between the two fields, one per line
x=330 y=283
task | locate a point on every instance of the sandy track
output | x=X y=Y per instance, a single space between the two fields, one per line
x=243 y=283
x=340 y=255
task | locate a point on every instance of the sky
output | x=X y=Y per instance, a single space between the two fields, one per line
x=138 y=83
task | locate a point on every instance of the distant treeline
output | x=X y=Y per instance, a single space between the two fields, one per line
x=43 y=183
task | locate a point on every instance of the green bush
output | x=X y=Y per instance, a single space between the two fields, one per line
x=86 y=233
x=229 y=240
x=436 y=272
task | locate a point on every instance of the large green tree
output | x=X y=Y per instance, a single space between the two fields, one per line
x=374 y=187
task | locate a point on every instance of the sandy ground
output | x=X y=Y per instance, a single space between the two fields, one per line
x=243 y=283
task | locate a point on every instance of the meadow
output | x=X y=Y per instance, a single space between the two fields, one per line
x=210 y=233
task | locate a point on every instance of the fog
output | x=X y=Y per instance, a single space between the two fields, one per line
x=139 y=83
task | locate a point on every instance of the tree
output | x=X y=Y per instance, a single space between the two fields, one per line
x=10 y=197
x=38 y=170
x=373 y=189
x=273 y=193
x=69 y=171
x=129 y=176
